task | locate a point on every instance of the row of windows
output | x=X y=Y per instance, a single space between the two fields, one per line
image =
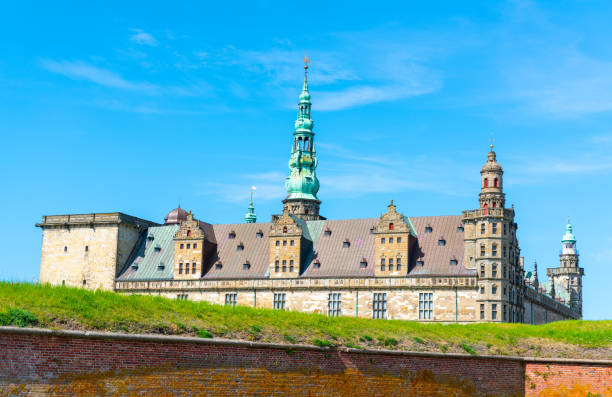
x=429 y=229
x=483 y=228
x=232 y=235
x=277 y=266
x=86 y=248
x=291 y=243
x=195 y=245
x=515 y=316
x=398 y=264
x=193 y=267
x=384 y=240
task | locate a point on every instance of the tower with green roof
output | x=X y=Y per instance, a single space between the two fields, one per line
x=250 y=216
x=302 y=184
x=569 y=274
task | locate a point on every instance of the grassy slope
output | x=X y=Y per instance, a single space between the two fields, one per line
x=70 y=308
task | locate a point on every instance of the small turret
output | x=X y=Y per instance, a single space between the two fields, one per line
x=251 y=216
x=491 y=192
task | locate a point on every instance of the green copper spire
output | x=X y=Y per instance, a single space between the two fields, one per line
x=568 y=237
x=302 y=182
x=250 y=216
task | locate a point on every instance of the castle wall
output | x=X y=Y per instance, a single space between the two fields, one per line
x=542 y=309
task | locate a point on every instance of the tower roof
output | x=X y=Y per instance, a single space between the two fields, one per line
x=492 y=164
x=250 y=216
x=568 y=237
x=175 y=216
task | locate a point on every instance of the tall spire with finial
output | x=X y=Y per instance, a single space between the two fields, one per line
x=250 y=216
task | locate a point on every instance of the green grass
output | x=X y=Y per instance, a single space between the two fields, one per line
x=73 y=308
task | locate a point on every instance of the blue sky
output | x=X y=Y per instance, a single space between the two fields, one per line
x=127 y=106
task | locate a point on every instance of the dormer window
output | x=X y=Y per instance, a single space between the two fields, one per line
x=161 y=266
x=372 y=230
x=453 y=262
x=259 y=234
x=232 y=235
x=420 y=263
x=327 y=232
x=363 y=264
x=240 y=247
x=157 y=248
x=150 y=237
x=346 y=244
x=218 y=265
x=391 y=226
x=460 y=229
x=441 y=242
x=316 y=265
x=428 y=229
x=246 y=266
x=135 y=266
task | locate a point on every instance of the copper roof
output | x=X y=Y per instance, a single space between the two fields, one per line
x=333 y=256
x=175 y=216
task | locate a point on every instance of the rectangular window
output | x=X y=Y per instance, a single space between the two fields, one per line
x=494 y=231
x=333 y=305
x=277 y=243
x=504 y=272
x=504 y=313
x=425 y=305
x=279 y=301
x=493 y=270
x=292 y=243
x=482 y=312
x=182 y=246
x=230 y=299
x=193 y=268
x=482 y=228
x=284 y=265
x=188 y=246
x=390 y=264
x=494 y=311
x=399 y=240
x=482 y=250
x=379 y=305
x=291 y=265
x=482 y=289
x=382 y=240
x=195 y=245
x=276 y=266
x=180 y=268
x=382 y=265
x=504 y=227
x=186 y=268
x=494 y=289
x=284 y=243
x=504 y=251
x=390 y=240
x=494 y=250
x=482 y=270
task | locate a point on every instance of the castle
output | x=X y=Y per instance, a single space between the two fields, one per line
x=461 y=268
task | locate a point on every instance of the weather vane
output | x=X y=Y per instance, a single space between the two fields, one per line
x=492 y=140
x=306 y=61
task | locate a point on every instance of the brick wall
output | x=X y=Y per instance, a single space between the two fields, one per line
x=548 y=379
x=79 y=363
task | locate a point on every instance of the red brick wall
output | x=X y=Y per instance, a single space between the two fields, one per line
x=567 y=379
x=73 y=363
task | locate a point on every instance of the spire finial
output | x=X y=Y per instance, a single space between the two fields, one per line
x=491 y=145
x=250 y=216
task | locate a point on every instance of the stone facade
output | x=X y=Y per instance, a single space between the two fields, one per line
x=189 y=250
x=391 y=251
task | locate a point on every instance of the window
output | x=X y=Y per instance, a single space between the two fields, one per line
x=182 y=297
x=379 y=305
x=259 y=234
x=494 y=271
x=390 y=240
x=232 y=235
x=230 y=299
x=186 y=268
x=84 y=282
x=284 y=243
x=486 y=182
x=346 y=244
x=482 y=312
x=327 y=232
x=292 y=243
x=382 y=265
x=317 y=265
x=459 y=229
x=453 y=262
x=65 y=248
x=494 y=311
x=284 y=265
x=504 y=228
x=391 y=226
x=363 y=264
x=188 y=246
x=333 y=305
x=495 y=182
x=291 y=265
x=482 y=270
x=195 y=245
x=383 y=240
x=193 y=268
x=246 y=266
x=240 y=247
x=425 y=305
x=504 y=272
x=482 y=289
x=87 y=248
x=441 y=242
x=182 y=246
x=218 y=265
x=494 y=249
x=504 y=313
x=157 y=248
x=399 y=240
x=372 y=230
x=504 y=251
x=161 y=266
x=495 y=205
x=188 y=233
x=494 y=289
x=180 y=268
x=420 y=263
x=285 y=229
x=279 y=301
x=494 y=231
x=276 y=266
x=428 y=229
x=398 y=264
x=504 y=291
x=390 y=264
x=277 y=243
x=482 y=228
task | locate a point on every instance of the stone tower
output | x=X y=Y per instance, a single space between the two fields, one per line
x=302 y=184
x=569 y=273
x=492 y=249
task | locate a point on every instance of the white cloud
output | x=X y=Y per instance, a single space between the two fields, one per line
x=143 y=38
x=84 y=71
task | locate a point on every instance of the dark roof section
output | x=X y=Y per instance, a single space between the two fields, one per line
x=176 y=216
x=436 y=258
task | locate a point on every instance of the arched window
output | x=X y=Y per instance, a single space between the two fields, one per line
x=486 y=182
x=494 y=205
x=495 y=182
x=391 y=226
x=306 y=144
x=300 y=143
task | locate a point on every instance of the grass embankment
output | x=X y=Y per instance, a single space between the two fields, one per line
x=72 y=308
